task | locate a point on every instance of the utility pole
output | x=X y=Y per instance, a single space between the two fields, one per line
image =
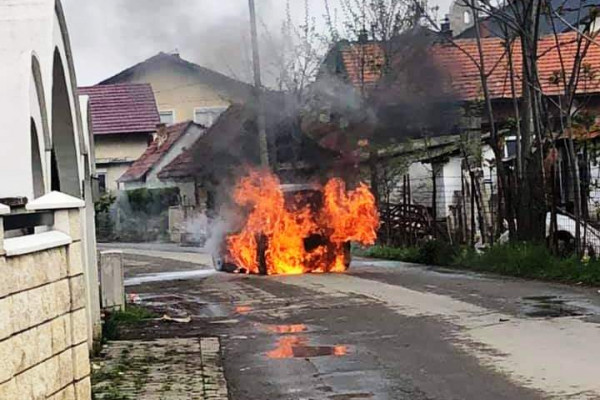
x=261 y=120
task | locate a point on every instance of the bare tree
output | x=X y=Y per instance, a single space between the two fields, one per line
x=533 y=110
x=300 y=55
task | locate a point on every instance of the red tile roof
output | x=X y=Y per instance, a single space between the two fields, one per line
x=462 y=71
x=363 y=63
x=122 y=108
x=180 y=167
x=225 y=135
x=154 y=153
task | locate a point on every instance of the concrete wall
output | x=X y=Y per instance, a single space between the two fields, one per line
x=181 y=90
x=44 y=330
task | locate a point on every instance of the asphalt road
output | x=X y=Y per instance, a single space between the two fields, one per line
x=382 y=331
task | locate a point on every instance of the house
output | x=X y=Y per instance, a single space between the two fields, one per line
x=183 y=90
x=213 y=163
x=169 y=143
x=49 y=300
x=123 y=119
x=358 y=65
x=462 y=23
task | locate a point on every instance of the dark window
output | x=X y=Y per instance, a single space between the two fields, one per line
x=511 y=148
x=102 y=183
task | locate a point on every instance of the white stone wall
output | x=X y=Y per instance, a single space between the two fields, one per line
x=44 y=326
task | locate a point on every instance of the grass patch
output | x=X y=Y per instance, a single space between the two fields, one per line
x=131 y=315
x=523 y=260
x=533 y=261
x=433 y=252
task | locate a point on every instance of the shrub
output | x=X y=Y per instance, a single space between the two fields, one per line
x=131 y=315
x=528 y=260
x=524 y=260
x=408 y=254
x=436 y=252
x=432 y=252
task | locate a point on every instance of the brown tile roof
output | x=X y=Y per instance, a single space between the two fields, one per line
x=457 y=62
x=123 y=108
x=465 y=76
x=224 y=136
x=180 y=167
x=154 y=153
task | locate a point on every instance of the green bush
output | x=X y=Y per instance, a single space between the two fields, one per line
x=436 y=252
x=528 y=260
x=131 y=315
x=408 y=254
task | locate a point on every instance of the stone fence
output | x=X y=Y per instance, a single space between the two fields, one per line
x=44 y=327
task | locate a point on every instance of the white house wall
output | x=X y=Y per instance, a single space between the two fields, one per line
x=185 y=142
x=29 y=28
x=421 y=184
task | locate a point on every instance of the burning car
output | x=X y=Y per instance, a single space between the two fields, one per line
x=295 y=229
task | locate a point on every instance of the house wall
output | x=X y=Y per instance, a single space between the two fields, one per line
x=448 y=182
x=30 y=70
x=185 y=142
x=180 y=89
x=125 y=147
x=113 y=172
x=421 y=184
x=43 y=318
x=116 y=153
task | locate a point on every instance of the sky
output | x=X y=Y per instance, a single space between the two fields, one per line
x=109 y=36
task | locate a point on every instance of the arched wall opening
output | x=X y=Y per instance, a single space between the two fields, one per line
x=36 y=163
x=63 y=135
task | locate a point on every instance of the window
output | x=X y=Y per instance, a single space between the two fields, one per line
x=102 y=182
x=207 y=115
x=467 y=18
x=510 y=147
x=167 y=117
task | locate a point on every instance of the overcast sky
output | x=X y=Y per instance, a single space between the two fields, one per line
x=110 y=35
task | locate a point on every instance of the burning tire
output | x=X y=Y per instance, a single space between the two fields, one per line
x=221 y=263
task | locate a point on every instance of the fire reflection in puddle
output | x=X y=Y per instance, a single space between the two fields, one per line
x=296 y=328
x=243 y=309
x=297 y=347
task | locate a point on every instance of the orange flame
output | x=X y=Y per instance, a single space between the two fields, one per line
x=282 y=229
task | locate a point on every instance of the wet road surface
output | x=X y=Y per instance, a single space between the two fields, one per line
x=383 y=331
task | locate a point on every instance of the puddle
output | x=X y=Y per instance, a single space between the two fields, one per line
x=349 y=396
x=243 y=309
x=319 y=351
x=282 y=329
x=549 y=307
x=297 y=347
x=543 y=298
x=168 y=276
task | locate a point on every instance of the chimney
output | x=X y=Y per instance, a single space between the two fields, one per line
x=363 y=36
x=445 y=29
x=161 y=134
